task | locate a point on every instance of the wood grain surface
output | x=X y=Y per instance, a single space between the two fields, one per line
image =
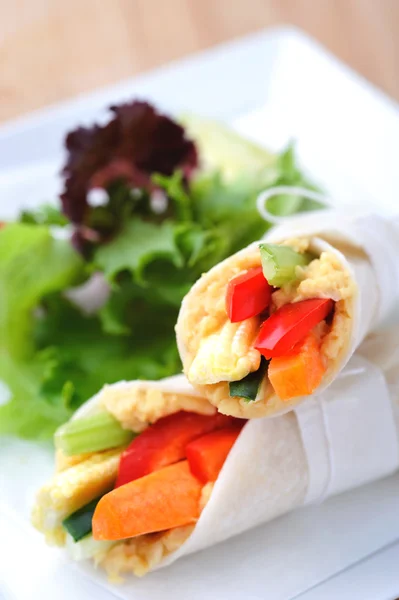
x=51 y=50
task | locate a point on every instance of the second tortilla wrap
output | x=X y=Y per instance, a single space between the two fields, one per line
x=350 y=269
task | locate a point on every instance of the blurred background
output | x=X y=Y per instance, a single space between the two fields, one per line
x=51 y=50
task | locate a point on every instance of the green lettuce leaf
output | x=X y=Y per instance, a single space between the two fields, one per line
x=83 y=355
x=222 y=149
x=136 y=246
x=229 y=209
x=32 y=265
x=46 y=214
x=289 y=174
x=228 y=205
x=74 y=358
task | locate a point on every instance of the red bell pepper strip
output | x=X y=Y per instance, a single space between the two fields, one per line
x=290 y=324
x=164 y=443
x=206 y=455
x=247 y=295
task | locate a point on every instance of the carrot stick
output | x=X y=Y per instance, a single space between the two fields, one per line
x=298 y=373
x=161 y=500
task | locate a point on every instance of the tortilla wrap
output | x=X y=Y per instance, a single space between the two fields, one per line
x=356 y=268
x=275 y=466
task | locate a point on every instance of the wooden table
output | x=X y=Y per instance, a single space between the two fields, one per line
x=51 y=50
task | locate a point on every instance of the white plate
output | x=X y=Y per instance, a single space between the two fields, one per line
x=273 y=87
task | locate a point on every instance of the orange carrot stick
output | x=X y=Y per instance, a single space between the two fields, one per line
x=206 y=455
x=300 y=372
x=161 y=500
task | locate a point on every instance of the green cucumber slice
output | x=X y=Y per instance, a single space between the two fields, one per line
x=79 y=523
x=248 y=387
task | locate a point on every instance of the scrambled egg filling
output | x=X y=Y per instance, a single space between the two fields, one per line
x=72 y=488
x=228 y=355
x=216 y=351
x=206 y=331
x=323 y=277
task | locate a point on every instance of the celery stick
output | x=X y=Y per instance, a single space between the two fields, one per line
x=279 y=263
x=91 y=434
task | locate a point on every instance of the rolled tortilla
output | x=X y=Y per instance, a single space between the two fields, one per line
x=356 y=268
x=249 y=491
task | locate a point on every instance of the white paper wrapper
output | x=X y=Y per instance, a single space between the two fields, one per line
x=367 y=247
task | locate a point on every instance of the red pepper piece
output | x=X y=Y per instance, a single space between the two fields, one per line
x=206 y=455
x=247 y=295
x=290 y=324
x=164 y=443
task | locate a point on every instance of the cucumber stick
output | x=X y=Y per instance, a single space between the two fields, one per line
x=79 y=523
x=248 y=387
